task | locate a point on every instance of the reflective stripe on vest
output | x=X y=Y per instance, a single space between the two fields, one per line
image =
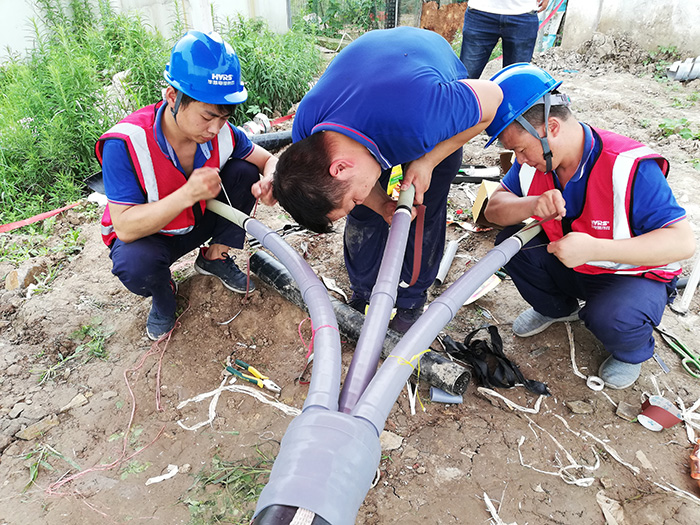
x=135 y=134
x=143 y=155
x=624 y=166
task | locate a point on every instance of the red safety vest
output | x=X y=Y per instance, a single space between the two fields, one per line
x=607 y=206
x=156 y=173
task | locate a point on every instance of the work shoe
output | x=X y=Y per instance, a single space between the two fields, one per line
x=158 y=325
x=358 y=303
x=618 y=374
x=404 y=319
x=530 y=322
x=226 y=270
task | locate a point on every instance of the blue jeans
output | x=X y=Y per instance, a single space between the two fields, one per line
x=482 y=30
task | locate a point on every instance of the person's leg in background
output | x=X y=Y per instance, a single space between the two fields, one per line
x=480 y=35
x=519 y=36
x=411 y=300
x=364 y=239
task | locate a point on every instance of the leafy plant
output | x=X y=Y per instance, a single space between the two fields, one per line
x=55 y=101
x=92 y=340
x=680 y=127
x=661 y=59
x=241 y=483
x=277 y=69
x=89 y=68
x=44 y=280
x=40 y=456
x=133 y=467
x=334 y=17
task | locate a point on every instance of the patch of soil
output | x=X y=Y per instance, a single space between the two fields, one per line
x=450 y=458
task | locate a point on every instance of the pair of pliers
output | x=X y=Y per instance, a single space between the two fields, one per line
x=256 y=377
x=689 y=361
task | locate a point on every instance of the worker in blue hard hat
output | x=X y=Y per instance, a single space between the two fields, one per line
x=614 y=236
x=161 y=163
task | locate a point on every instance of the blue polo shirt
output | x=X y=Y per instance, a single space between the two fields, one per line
x=120 y=181
x=396 y=91
x=653 y=205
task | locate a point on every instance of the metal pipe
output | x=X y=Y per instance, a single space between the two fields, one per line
x=369 y=346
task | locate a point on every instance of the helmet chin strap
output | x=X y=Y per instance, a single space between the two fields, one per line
x=546 y=151
x=178 y=100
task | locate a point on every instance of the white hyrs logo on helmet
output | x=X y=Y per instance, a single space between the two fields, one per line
x=221 y=79
x=600 y=225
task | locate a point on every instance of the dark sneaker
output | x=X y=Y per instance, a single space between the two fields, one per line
x=158 y=325
x=358 y=303
x=404 y=319
x=226 y=270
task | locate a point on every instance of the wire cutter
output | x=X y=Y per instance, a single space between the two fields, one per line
x=689 y=360
x=255 y=377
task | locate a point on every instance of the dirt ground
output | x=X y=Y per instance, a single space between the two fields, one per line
x=441 y=464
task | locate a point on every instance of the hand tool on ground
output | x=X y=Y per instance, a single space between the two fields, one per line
x=256 y=377
x=689 y=360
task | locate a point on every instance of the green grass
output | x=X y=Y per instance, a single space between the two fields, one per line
x=40 y=457
x=91 y=345
x=57 y=101
x=239 y=485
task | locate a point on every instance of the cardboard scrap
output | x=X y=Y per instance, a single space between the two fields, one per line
x=486 y=189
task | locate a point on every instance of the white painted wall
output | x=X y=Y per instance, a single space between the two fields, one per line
x=650 y=23
x=16 y=30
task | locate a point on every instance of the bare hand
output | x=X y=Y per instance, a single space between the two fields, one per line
x=542 y=5
x=419 y=174
x=574 y=249
x=204 y=183
x=263 y=190
x=549 y=203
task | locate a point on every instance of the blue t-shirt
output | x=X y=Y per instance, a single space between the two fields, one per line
x=121 y=183
x=396 y=91
x=653 y=205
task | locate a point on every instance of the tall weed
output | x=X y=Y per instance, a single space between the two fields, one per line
x=277 y=69
x=58 y=100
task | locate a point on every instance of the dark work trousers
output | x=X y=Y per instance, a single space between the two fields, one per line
x=143 y=266
x=620 y=310
x=366 y=233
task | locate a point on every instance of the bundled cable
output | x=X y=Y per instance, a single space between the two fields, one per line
x=490 y=364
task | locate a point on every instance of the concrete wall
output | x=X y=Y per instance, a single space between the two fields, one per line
x=650 y=23
x=16 y=30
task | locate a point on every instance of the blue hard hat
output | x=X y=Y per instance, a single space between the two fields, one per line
x=207 y=69
x=523 y=85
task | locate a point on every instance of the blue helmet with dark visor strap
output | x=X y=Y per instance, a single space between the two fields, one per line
x=523 y=86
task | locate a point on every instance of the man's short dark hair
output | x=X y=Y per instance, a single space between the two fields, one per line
x=535 y=115
x=303 y=184
x=222 y=109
